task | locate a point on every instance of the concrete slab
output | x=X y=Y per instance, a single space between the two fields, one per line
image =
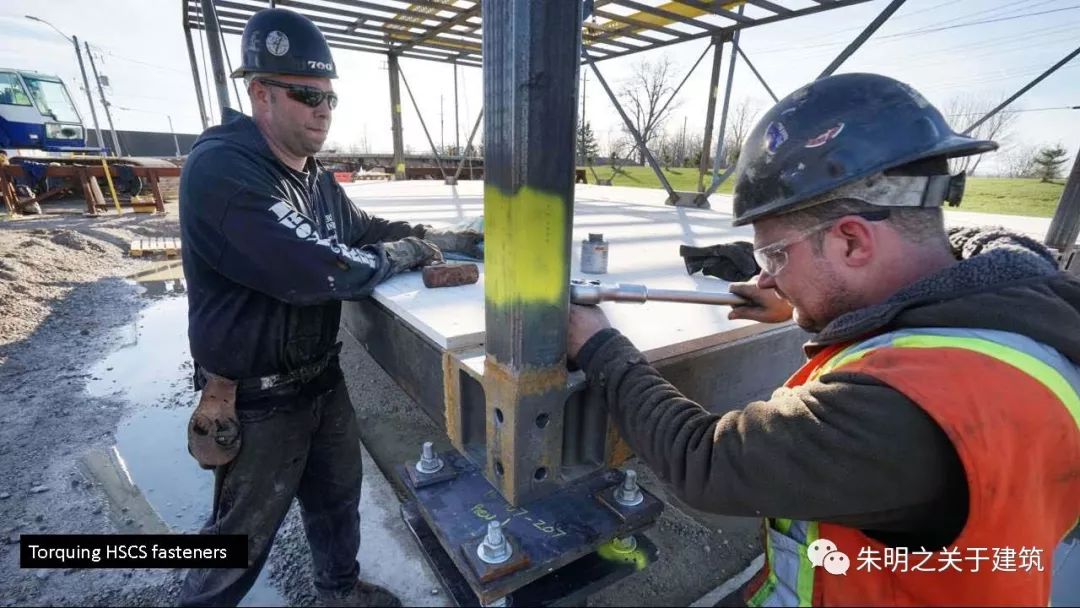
x=643 y=234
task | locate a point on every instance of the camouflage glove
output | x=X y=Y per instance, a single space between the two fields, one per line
x=411 y=252
x=460 y=241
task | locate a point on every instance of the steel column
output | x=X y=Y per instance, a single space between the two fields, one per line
x=468 y=144
x=531 y=55
x=862 y=37
x=213 y=40
x=395 y=116
x=104 y=103
x=195 y=76
x=672 y=195
x=457 y=126
x=1065 y=227
x=714 y=83
x=89 y=95
x=719 y=156
x=1023 y=90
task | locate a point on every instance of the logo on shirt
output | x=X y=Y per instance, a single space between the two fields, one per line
x=304 y=230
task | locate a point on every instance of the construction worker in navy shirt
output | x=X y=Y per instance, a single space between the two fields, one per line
x=272 y=245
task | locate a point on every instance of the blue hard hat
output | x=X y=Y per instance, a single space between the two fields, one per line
x=835 y=131
x=281 y=41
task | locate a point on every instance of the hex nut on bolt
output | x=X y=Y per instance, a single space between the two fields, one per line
x=429 y=462
x=494 y=549
x=628 y=494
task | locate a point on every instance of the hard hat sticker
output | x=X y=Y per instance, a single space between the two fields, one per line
x=822 y=139
x=775 y=136
x=277 y=43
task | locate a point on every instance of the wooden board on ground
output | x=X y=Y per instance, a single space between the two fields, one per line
x=166 y=246
x=644 y=239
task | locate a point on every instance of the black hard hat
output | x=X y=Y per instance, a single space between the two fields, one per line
x=280 y=41
x=835 y=131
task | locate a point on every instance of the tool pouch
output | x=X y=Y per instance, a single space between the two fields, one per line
x=214 y=429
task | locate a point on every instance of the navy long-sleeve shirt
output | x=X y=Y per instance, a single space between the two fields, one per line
x=269 y=254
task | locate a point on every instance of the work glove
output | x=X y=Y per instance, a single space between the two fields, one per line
x=214 y=429
x=729 y=261
x=466 y=241
x=411 y=252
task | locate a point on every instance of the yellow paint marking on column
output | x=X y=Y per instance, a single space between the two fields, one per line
x=525 y=246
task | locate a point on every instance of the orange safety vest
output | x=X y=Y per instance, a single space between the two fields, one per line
x=1011 y=407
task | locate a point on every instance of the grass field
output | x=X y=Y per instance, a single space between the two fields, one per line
x=983 y=194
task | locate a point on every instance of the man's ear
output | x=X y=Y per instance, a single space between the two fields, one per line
x=858 y=240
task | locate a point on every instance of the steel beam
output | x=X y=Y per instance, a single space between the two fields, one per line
x=1065 y=227
x=750 y=23
x=862 y=37
x=195 y=76
x=672 y=195
x=423 y=125
x=532 y=52
x=395 y=116
x=760 y=78
x=714 y=84
x=1023 y=90
x=213 y=40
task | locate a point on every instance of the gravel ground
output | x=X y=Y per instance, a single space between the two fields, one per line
x=61 y=295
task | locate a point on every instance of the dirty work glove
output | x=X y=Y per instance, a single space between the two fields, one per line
x=467 y=242
x=729 y=261
x=410 y=252
x=214 y=429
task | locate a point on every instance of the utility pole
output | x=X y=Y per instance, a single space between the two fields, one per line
x=74 y=40
x=176 y=142
x=104 y=103
x=457 y=127
x=584 y=81
x=442 y=130
x=89 y=94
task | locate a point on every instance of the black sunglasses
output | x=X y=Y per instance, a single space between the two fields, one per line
x=309 y=96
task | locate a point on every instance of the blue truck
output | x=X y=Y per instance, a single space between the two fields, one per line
x=37 y=115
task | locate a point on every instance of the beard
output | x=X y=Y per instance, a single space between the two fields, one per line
x=834 y=301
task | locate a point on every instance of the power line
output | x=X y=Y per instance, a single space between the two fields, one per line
x=1077 y=107
x=970 y=23
x=104 y=51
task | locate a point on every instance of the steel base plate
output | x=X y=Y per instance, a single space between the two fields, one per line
x=547 y=534
x=569 y=586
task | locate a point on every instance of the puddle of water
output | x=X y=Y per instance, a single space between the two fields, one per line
x=151 y=368
x=148 y=366
x=153 y=445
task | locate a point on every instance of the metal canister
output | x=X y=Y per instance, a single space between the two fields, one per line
x=594 y=254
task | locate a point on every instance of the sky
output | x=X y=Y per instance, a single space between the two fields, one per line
x=985 y=49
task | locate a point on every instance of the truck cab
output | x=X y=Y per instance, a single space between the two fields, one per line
x=37 y=113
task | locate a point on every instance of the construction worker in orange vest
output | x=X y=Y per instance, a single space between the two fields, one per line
x=929 y=451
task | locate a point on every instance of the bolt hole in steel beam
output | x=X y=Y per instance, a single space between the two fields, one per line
x=540 y=474
x=498 y=416
x=542 y=420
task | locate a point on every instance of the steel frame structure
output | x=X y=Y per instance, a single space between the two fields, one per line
x=520 y=423
x=451 y=31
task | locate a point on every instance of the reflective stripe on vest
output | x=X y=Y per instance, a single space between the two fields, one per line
x=790 y=580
